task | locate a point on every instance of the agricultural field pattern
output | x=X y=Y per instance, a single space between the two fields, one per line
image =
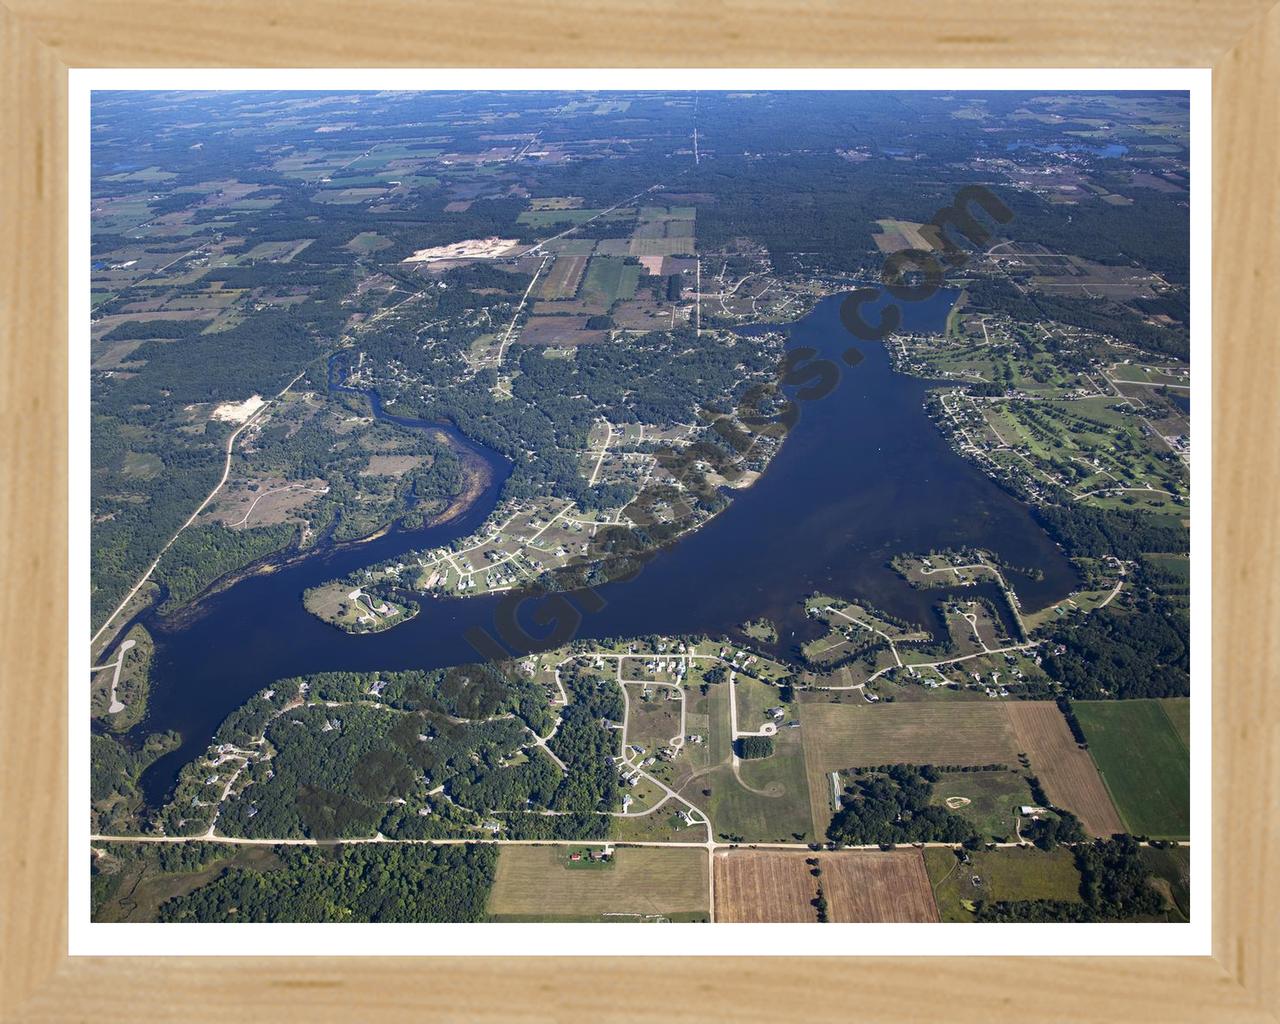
x=640 y=507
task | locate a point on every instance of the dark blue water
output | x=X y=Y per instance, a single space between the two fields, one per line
x=862 y=476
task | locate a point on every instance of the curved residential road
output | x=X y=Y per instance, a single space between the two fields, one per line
x=115 y=707
x=226 y=471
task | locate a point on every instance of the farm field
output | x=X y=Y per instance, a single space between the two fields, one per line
x=849 y=735
x=860 y=886
x=562 y=280
x=609 y=279
x=1009 y=873
x=1066 y=772
x=558 y=330
x=1144 y=763
x=535 y=883
x=1179 y=711
x=839 y=736
x=900 y=234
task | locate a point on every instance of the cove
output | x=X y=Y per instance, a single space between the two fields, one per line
x=862 y=476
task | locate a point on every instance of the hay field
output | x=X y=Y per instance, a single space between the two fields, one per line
x=535 y=883
x=1067 y=773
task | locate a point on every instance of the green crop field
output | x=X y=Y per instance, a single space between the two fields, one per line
x=1179 y=711
x=536 y=883
x=1143 y=761
x=1006 y=874
x=609 y=279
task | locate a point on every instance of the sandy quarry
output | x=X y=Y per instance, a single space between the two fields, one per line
x=238 y=412
x=471 y=248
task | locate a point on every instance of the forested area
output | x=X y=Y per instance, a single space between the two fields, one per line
x=893 y=807
x=203 y=554
x=586 y=746
x=752 y=747
x=410 y=755
x=1138 y=650
x=1114 y=886
x=1104 y=316
x=1087 y=532
x=336 y=770
x=372 y=883
x=115 y=766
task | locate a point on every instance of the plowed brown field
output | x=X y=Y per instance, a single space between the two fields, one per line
x=860 y=886
x=1067 y=773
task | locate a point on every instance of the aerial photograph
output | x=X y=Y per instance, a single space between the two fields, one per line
x=639 y=506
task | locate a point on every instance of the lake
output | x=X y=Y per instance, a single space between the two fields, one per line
x=862 y=476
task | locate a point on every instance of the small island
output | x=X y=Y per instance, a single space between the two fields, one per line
x=762 y=630
x=354 y=609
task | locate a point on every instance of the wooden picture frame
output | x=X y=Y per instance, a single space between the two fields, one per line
x=42 y=39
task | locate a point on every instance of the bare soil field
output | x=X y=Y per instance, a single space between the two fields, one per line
x=860 y=886
x=1067 y=773
x=538 y=883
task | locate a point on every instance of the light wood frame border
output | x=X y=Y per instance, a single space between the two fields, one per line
x=41 y=39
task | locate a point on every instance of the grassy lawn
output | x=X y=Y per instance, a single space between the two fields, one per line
x=771 y=801
x=1010 y=873
x=753 y=698
x=653 y=723
x=536 y=883
x=1144 y=763
x=993 y=799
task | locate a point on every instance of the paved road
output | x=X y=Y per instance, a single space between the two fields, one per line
x=115 y=707
x=226 y=471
